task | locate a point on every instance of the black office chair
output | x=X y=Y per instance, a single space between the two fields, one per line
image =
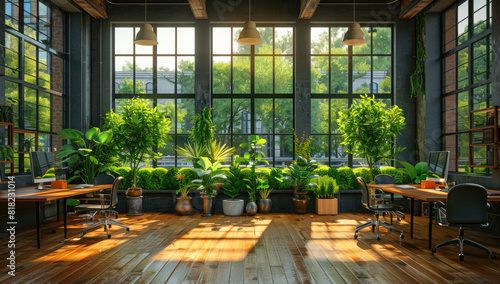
x=387 y=179
x=98 y=180
x=466 y=206
x=109 y=202
x=377 y=209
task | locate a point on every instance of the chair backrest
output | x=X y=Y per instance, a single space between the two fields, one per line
x=104 y=179
x=384 y=179
x=467 y=203
x=114 y=190
x=365 y=194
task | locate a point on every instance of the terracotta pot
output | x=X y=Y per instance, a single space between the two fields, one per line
x=218 y=185
x=134 y=191
x=265 y=205
x=183 y=206
x=300 y=201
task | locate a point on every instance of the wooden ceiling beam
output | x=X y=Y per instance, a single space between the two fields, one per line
x=307 y=8
x=410 y=8
x=96 y=8
x=199 y=8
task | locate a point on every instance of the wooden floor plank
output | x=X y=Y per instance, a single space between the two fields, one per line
x=273 y=248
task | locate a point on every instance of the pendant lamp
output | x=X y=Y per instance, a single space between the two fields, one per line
x=146 y=36
x=249 y=35
x=354 y=34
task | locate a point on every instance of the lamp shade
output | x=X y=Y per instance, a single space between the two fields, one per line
x=249 y=35
x=146 y=36
x=354 y=35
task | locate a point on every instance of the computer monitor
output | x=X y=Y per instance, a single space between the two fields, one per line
x=438 y=166
x=41 y=163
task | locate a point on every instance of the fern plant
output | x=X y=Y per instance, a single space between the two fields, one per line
x=324 y=187
x=203 y=128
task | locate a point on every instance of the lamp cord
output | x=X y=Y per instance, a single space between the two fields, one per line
x=249 y=10
x=145 y=10
x=354 y=9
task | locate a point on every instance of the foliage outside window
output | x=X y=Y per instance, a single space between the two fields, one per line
x=252 y=90
x=34 y=75
x=339 y=75
x=466 y=83
x=164 y=74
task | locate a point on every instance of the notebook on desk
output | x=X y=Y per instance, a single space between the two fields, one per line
x=403 y=186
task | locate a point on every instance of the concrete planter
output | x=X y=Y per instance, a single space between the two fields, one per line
x=233 y=207
x=134 y=205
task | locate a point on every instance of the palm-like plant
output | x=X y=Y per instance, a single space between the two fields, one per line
x=218 y=152
x=192 y=152
x=235 y=183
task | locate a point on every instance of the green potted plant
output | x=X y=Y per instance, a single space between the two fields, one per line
x=264 y=188
x=139 y=130
x=300 y=174
x=86 y=154
x=183 y=205
x=209 y=174
x=369 y=130
x=251 y=158
x=233 y=187
x=325 y=188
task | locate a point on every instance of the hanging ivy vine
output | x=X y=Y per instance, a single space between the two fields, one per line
x=417 y=79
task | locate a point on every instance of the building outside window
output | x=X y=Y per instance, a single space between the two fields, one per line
x=466 y=85
x=253 y=88
x=164 y=74
x=34 y=69
x=339 y=75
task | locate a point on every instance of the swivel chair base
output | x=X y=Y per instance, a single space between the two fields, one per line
x=376 y=224
x=461 y=240
x=107 y=223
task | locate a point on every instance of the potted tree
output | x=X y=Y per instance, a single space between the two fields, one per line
x=233 y=187
x=251 y=159
x=183 y=205
x=300 y=174
x=138 y=131
x=209 y=174
x=325 y=188
x=370 y=130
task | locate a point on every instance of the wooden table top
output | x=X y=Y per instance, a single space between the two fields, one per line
x=31 y=194
x=424 y=194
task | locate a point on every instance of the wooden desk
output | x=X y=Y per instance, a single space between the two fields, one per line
x=31 y=194
x=429 y=195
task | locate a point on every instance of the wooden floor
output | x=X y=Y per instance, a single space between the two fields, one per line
x=276 y=248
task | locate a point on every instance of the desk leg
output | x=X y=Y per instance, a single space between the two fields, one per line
x=430 y=224
x=392 y=202
x=64 y=217
x=57 y=210
x=38 y=213
x=412 y=211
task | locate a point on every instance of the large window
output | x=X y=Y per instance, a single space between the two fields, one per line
x=163 y=74
x=466 y=65
x=252 y=90
x=339 y=74
x=34 y=74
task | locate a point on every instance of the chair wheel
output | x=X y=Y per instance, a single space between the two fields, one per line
x=401 y=236
x=434 y=250
x=127 y=231
x=493 y=256
x=461 y=257
x=355 y=237
x=116 y=216
x=378 y=238
x=109 y=236
x=109 y=226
